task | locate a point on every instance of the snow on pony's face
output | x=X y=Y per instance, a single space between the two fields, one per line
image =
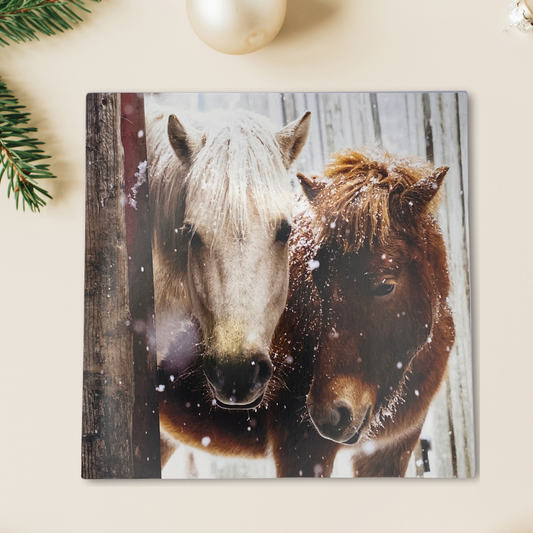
x=381 y=274
x=237 y=221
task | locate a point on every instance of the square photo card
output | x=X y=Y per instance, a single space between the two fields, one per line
x=277 y=285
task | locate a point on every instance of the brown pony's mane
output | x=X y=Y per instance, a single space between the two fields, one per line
x=357 y=206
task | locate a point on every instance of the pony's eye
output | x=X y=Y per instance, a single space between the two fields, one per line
x=384 y=289
x=284 y=232
x=196 y=240
x=193 y=237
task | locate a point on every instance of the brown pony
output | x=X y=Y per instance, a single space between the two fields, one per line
x=387 y=327
x=364 y=338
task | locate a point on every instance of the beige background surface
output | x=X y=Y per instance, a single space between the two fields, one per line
x=326 y=45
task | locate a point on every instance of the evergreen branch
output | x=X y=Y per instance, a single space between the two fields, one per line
x=20 y=20
x=20 y=154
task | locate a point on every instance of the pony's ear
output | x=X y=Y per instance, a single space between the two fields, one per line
x=293 y=137
x=182 y=143
x=310 y=188
x=416 y=198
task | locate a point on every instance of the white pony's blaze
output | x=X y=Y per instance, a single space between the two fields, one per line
x=224 y=213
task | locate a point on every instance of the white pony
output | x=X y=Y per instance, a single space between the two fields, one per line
x=222 y=201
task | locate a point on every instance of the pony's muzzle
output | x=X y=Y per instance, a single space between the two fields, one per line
x=339 y=422
x=238 y=383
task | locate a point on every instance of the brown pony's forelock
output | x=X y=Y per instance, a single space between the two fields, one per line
x=355 y=207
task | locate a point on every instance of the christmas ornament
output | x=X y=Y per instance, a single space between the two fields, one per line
x=520 y=15
x=236 y=26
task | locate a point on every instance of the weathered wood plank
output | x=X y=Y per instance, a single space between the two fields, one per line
x=446 y=423
x=415 y=120
x=454 y=210
x=336 y=123
x=108 y=390
x=462 y=108
x=363 y=128
x=145 y=422
x=393 y=119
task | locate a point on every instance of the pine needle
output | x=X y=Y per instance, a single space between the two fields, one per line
x=22 y=20
x=20 y=155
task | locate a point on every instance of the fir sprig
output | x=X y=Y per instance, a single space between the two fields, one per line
x=20 y=154
x=20 y=20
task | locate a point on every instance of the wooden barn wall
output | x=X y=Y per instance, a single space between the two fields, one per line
x=432 y=126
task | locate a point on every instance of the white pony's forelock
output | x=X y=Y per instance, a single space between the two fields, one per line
x=237 y=173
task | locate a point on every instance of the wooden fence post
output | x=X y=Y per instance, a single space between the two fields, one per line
x=120 y=418
x=107 y=371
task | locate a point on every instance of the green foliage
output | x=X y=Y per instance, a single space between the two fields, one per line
x=21 y=20
x=20 y=154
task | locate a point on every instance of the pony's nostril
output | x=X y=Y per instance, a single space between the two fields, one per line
x=335 y=422
x=238 y=382
x=339 y=421
x=345 y=418
x=264 y=371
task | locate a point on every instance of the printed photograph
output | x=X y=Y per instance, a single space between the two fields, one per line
x=277 y=285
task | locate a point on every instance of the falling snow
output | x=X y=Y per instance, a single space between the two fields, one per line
x=313 y=264
x=141 y=179
x=369 y=447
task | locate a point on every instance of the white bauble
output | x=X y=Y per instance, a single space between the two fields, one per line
x=236 y=26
